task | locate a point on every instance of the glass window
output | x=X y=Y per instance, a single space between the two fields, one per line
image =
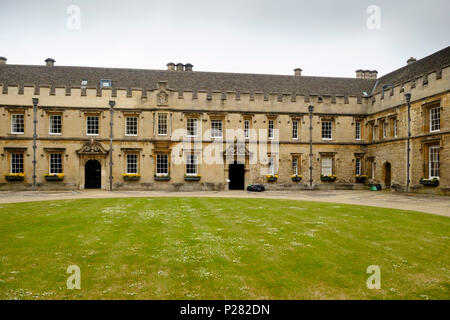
x=191 y=164
x=385 y=126
x=358 y=166
x=17 y=163
x=270 y=133
x=358 y=130
x=162 y=164
x=395 y=127
x=295 y=129
x=246 y=129
x=105 y=83
x=162 y=123
x=92 y=125
x=216 y=128
x=191 y=129
x=17 y=123
x=327 y=166
x=55 y=163
x=295 y=166
x=434 y=161
x=131 y=126
x=435 y=119
x=132 y=163
x=326 y=130
x=55 y=125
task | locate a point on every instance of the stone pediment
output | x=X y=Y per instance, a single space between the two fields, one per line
x=92 y=147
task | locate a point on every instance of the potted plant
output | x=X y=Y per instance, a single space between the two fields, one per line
x=15 y=176
x=360 y=178
x=272 y=178
x=296 y=178
x=328 y=178
x=434 y=182
x=188 y=177
x=54 y=176
x=164 y=177
x=131 y=176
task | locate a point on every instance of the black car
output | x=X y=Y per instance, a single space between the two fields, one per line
x=256 y=188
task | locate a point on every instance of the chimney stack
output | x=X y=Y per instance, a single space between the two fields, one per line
x=188 y=67
x=50 y=62
x=374 y=74
x=3 y=60
x=298 y=72
x=180 y=66
x=170 y=66
x=366 y=74
x=411 y=60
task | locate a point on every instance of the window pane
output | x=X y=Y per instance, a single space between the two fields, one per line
x=358 y=130
x=270 y=133
x=192 y=127
x=358 y=166
x=295 y=166
x=191 y=164
x=55 y=124
x=92 y=125
x=295 y=129
x=326 y=129
x=434 y=162
x=162 y=123
x=327 y=166
x=131 y=126
x=162 y=164
x=17 y=163
x=56 y=163
x=132 y=163
x=17 y=123
x=247 y=129
x=216 y=128
x=435 y=122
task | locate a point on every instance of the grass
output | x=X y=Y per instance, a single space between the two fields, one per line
x=211 y=248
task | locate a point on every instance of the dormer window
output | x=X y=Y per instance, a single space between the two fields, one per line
x=105 y=83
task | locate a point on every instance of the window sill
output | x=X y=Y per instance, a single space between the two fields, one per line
x=17 y=132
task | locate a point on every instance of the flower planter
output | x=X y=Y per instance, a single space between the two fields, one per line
x=429 y=183
x=328 y=178
x=131 y=178
x=54 y=178
x=360 y=179
x=272 y=178
x=162 y=178
x=14 y=178
x=192 y=178
x=296 y=178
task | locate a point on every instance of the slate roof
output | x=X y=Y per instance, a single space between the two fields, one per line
x=433 y=62
x=217 y=81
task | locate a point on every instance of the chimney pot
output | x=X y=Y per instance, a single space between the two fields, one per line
x=50 y=62
x=170 y=66
x=297 y=72
x=180 y=66
x=3 y=60
x=188 y=67
x=359 y=74
x=411 y=60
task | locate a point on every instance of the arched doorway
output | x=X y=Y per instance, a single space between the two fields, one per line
x=387 y=175
x=92 y=175
x=236 y=174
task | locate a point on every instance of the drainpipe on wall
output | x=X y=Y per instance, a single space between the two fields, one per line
x=408 y=148
x=35 y=103
x=310 y=109
x=111 y=123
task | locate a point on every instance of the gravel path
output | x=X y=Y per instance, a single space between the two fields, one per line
x=439 y=205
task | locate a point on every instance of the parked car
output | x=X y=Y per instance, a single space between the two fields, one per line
x=256 y=188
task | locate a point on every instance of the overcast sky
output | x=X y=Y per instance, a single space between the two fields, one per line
x=324 y=38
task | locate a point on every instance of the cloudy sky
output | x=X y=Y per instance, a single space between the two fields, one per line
x=324 y=38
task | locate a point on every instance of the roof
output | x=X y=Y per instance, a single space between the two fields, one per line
x=218 y=81
x=183 y=80
x=434 y=62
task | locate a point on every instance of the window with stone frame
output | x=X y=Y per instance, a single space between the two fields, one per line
x=192 y=127
x=191 y=164
x=327 y=127
x=216 y=129
x=295 y=129
x=55 y=124
x=162 y=164
x=296 y=165
x=433 y=161
x=385 y=129
x=271 y=127
x=358 y=166
x=431 y=115
x=16 y=160
x=55 y=163
x=131 y=126
x=394 y=127
x=162 y=124
x=358 y=130
x=132 y=163
x=17 y=123
x=92 y=125
x=326 y=165
x=435 y=119
x=247 y=129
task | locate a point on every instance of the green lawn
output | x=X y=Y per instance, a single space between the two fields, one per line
x=215 y=248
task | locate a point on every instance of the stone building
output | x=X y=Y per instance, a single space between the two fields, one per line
x=67 y=127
